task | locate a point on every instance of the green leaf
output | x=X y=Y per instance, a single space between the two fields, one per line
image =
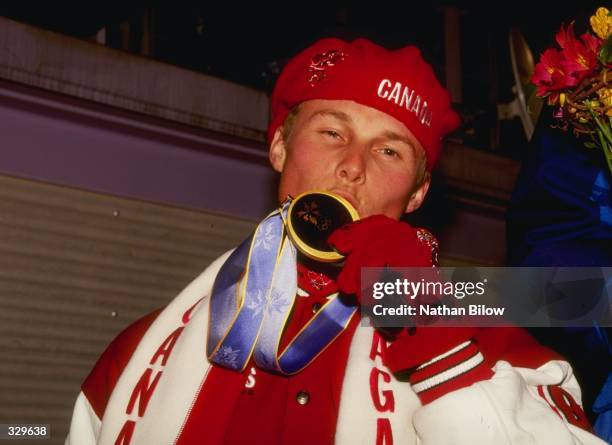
x=601 y=139
x=590 y=145
x=605 y=54
x=603 y=130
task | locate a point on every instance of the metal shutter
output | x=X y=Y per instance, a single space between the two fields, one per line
x=76 y=268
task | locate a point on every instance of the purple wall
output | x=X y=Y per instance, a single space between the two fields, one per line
x=64 y=141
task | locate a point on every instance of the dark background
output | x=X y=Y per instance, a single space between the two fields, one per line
x=246 y=43
x=249 y=43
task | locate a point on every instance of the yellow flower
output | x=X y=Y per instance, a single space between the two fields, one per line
x=605 y=96
x=602 y=23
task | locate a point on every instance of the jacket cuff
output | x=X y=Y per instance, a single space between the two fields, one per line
x=457 y=368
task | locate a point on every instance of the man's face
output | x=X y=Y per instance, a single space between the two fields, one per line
x=367 y=156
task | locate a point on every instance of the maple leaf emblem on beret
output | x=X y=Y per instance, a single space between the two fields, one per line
x=321 y=62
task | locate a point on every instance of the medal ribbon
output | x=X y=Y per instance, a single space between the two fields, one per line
x=252 y=299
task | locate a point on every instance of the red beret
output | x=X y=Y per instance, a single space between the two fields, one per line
x=399 y=83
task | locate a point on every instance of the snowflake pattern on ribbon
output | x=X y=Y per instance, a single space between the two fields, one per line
x=265 y=241
x=277 y=302
x=256 y=304
x=228 y=356
x=321 y=62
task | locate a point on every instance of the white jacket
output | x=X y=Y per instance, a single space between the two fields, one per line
x=513 y=407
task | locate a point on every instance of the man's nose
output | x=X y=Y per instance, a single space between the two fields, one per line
x=352 y=164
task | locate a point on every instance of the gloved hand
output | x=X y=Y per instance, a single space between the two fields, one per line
x=379 y=241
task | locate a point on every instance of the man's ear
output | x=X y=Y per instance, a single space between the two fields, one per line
x=278 y=151
x=418 y=196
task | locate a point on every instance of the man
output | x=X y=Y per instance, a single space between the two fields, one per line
x=365 y=123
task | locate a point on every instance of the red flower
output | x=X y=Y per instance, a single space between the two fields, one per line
x=549 y=74
x=580 y=57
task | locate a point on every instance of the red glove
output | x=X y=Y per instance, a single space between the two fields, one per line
x=379 y=241
x=439 y=360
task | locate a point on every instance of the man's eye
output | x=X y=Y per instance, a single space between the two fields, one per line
x=331 y=133
x=389 y=152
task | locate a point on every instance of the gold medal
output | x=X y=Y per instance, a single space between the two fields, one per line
x=311 y=219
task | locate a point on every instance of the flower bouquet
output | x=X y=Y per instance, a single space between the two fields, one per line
x=577 y=80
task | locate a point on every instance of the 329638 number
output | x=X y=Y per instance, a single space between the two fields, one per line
x=27 y=430
x=24 y=431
